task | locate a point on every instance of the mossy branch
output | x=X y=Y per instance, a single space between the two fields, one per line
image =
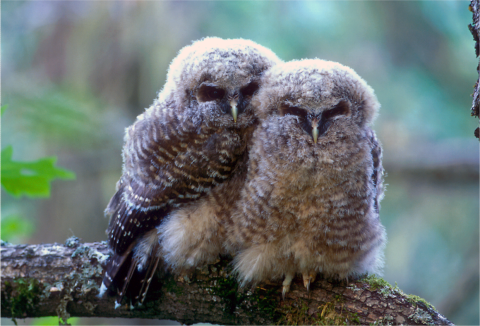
x=63 y=280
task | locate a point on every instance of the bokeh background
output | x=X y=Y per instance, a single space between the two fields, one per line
x=75 y=74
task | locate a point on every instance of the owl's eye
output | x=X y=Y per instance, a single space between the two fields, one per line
x=250 y=89
x=210 y=93
x=342 y=108
x=292 y=110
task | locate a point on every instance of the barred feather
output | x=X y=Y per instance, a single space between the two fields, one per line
x=186 y=144
x=310 y=205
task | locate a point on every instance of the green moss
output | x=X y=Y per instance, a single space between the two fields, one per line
x=415 y=299
x=294 y=315
x=354 y=319
x=386 y=289
x=266 y=300
x=227 y=289
x=171 y=286
x=376 y=282
x=263 y=299
x=22 y=296
x=329 y=313
x=383 y=287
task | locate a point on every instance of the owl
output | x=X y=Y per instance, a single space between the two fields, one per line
x=192 y=139
x=310 y=200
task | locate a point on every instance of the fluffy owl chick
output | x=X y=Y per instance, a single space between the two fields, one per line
x=188 y=142
x=310 y=203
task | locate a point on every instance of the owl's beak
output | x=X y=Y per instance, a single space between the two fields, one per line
x=233 y=105
x=315 y=130
x=315 y=134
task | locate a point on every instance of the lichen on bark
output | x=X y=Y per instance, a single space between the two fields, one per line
x=64 y=281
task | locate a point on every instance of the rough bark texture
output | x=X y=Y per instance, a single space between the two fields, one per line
x=475 y=29
x=63 y=280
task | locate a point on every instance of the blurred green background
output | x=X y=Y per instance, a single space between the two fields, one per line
x=75 y=74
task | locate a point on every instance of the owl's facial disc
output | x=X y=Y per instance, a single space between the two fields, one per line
x=239 y=98
x=316 y=124
x=232 y=100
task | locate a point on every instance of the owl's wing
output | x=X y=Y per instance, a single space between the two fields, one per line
x=168 y=161
x=377 y=175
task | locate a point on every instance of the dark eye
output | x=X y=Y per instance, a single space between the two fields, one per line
x=209 y=93
x=250 y=89
x=292 y=110
x=342 y=108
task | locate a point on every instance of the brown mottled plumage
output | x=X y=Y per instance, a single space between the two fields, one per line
x=187 y=143
x=309 y=203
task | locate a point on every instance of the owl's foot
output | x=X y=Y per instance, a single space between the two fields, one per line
x=309 y=278
x=286 y=284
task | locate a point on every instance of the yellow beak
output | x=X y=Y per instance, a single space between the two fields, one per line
x=315 y=134
x=233 y=105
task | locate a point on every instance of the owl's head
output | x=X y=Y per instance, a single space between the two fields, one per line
x=316 y=100
x=219 y=76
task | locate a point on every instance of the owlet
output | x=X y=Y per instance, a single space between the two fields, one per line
x=310 y=201
x=189 y=141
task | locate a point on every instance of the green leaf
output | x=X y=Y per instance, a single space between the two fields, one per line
x=2 y=109
x=14 y=226
x=30 y=178
x=53 y=321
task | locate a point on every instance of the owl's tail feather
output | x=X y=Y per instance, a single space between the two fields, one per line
x=123 y=277
x=115 y=277
x=132 y=267
x=152 y=267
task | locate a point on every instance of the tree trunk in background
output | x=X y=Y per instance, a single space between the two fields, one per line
x=475 y=29
x=63 y=280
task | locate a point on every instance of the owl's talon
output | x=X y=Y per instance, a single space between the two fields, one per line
x=286 y=284
x=308 y=278
x=306 y=283
x=285 y=289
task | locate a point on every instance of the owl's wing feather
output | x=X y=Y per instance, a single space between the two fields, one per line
x=377 y=175
x=168 y=161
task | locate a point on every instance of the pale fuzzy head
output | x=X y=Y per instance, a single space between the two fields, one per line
x=232 y=68
x=314 y=110
x=316 y=85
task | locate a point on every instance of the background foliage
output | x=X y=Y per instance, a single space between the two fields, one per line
x=76 y=73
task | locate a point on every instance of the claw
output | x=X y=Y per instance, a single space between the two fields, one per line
x=308 y=278
x=306 y=281
x=286 y=284
x=285 y=289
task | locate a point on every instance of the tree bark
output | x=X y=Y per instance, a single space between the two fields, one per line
x=63 y=280
x=475 y=30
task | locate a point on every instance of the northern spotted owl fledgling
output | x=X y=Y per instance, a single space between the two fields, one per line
x=310 y=202
x=191 y=140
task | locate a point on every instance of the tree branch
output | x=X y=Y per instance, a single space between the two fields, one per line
x=63 y=280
